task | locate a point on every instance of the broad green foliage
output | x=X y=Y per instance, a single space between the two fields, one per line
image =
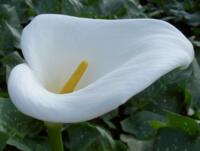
x=30 y=144
x=138 y=124
x=19 y=130
x=135 y=144
x=14 y=123
x=164 y=117
x=3 y=140
x=171 y=139
x=189 y=125
x=86 y=137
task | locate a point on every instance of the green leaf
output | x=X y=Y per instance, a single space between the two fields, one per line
x=16 y=35
x=30 y=144
x=120 y=146
x=196 y=43
x=165 y=94
x=46 y=6
x=139 y=124
x=173 y=139
x=87 y=137
x=136 y=145
x=157 y=124
x=193 y=87
x=12 y=59
x=3 y=140
x=14 y=123
x=113 y=7
x=193 y=18
x=9 y=28
x=189 y=125
x=109 y=116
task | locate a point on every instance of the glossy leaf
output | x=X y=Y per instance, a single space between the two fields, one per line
x=87 y=137
x=3 y=140
x=139 y=124
x=14 y=123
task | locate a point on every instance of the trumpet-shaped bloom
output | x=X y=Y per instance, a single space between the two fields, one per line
x=125 y=57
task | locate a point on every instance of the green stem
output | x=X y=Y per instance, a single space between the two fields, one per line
x=55 y=136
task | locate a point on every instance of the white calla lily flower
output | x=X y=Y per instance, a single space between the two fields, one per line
x=124 y=56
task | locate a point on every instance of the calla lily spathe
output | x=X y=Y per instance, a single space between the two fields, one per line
x=125 y=57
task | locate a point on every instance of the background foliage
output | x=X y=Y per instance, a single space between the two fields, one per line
x=164 y=117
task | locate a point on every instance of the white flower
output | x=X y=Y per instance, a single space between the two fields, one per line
x=125 y=57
